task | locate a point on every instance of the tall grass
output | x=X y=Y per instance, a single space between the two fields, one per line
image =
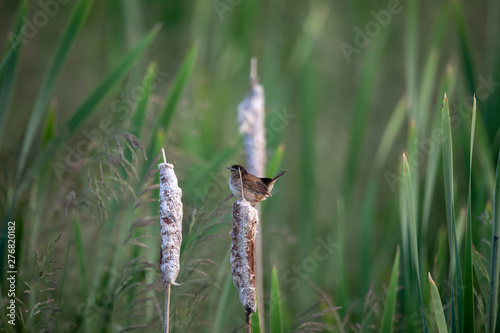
x=414 y=238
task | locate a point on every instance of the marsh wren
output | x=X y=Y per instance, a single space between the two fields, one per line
x=255 y=189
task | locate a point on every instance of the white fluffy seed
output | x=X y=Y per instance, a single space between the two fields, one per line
x=171 y=224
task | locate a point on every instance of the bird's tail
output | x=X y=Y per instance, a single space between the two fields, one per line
x=279 y=175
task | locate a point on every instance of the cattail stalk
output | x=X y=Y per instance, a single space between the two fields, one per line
x=251 y=119
x=171 y=230
x=245 y=221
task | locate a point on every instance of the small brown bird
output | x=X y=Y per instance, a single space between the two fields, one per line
x=255 y=189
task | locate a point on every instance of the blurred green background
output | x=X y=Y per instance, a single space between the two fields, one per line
x=338 y=122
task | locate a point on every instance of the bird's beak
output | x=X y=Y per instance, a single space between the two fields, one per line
x=229 y=168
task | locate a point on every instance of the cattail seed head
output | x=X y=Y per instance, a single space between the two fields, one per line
x=245 y=220
x=251 y=119
x=171 y=224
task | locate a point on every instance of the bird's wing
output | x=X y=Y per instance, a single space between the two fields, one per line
x=258 y=185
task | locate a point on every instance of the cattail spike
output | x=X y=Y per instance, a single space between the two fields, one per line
x=251 y=118
x=171 y=223
x=245 y=220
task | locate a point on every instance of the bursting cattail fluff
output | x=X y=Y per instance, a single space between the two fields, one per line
x=171 y=223
x=245 y=220
x=251 y=119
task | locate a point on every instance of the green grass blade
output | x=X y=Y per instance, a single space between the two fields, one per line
x=464 y=44
x=498 y=321
x=110 y=82
x=75 y=23
x=412 y=229
x=434 y=158
x=411 y=58
x=409 y=306
x=255 y=321
x=391 y=131
x=80 y=256
x=275 y=161
x=390 y=301
x=371 y=64
x=340 y=271
x=388 y=139
x=308 y=117
x=179 y=84
x=437 y=307
x=107 y=85
x=148 y=84
x=14 y=48
x=8 y=76
x=431 y=171
x=483 y=155
x=494 y=263
x=49 y=128
x=224 y=299
x=447 y=150
x=448 y=174
x=8 y=54
x=217 y=163
x=277 y=324
x=366 y=225
x=413 y=152
x=427 y=85
x=412 y=223
x=468 y=314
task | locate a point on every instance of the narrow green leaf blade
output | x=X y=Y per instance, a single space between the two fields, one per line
x=437 y=307
x=255 y=321
x=107 y=85
x=447 y=150
x=411 y=49
x=468 y=314
x=412 y=223
x=390 y=301
x=427 y=85
x=75 y=23
x=275 y=160
x=224 y=297
x=49 y=127
x=277 y=324
x=216 y=164
x=412 y=229
x=391 y=131
x=8 y=76
x=14 y=48
x=110 y=82
x=494 y=263
x=147 y=87
x=180 y=82
x=448 y=172
x=366 y=88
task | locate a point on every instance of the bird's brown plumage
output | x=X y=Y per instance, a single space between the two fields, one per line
x=255 y=189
